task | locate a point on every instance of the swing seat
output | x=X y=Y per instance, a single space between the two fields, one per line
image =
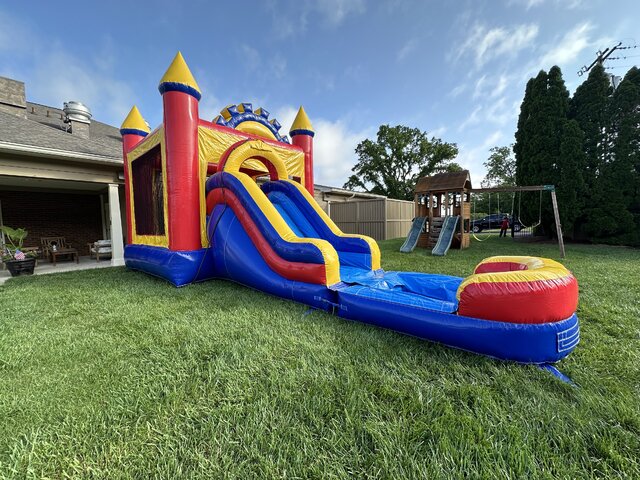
x=519 y=289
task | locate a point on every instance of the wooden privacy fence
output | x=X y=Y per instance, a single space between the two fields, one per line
x=380 y=219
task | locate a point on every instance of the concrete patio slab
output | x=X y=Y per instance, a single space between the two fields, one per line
x=44 y=267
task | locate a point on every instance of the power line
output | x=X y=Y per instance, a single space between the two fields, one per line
x=624 y=58
x=601 y=57
x=618 y=66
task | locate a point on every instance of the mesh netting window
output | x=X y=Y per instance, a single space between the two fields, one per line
x=146 y=173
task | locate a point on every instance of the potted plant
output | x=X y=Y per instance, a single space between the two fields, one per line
x=17 y=261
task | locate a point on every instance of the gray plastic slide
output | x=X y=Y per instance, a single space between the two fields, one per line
x=412 y=239
x=446 y=235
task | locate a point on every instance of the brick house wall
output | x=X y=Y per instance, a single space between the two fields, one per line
x=76 y=217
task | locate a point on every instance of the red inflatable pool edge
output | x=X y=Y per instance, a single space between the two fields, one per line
x=527 y=290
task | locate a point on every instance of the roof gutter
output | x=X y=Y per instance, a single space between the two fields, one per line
x=353 y=194
x=58 y=154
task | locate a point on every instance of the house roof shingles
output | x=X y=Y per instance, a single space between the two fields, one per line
x=49 y=131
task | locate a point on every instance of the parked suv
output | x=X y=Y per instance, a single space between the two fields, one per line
x=494 y=221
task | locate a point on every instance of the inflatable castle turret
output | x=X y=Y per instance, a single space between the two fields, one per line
x=302 y=134
x=133 y=130
x=180 y=97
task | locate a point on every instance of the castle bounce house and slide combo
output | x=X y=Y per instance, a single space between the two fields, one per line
x=195 y=212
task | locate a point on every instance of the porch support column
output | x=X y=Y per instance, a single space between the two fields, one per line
x=117 y=245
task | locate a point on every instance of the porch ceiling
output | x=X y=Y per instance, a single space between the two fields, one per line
x=43 y=184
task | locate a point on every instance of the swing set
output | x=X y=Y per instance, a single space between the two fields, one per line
x=517 y=191
x=517 y=219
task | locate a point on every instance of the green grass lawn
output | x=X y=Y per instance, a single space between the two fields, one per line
x=113 y=374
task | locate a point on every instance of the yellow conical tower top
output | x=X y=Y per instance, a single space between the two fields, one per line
x=134 y=123
x=179 y=77
x=301 y=124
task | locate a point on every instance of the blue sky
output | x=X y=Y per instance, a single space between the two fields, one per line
x=455 y=69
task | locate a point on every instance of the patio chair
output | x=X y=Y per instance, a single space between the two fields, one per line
x=101 y=248
x=53 y=247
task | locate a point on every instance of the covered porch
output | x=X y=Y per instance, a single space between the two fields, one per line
x=78 y=212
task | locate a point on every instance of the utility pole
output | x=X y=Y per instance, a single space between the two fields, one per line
x=601 y=57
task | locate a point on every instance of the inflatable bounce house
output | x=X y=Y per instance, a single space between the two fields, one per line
x=195 y=211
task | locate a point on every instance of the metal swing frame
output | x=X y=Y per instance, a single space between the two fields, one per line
x=532 y=188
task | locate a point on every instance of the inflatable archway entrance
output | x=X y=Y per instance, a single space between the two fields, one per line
x=244 y=150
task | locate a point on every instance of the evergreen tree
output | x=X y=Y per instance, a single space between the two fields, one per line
x=570 y=183
x=621 y=173
x=529 y=146
x=589 y=147
x=520 y=148
x=543 y=115
x=528 y=138
x=590 y=108
x=556 y=110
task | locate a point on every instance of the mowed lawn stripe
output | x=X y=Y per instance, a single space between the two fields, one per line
x=113 y=374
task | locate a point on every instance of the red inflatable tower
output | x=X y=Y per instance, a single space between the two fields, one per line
x=133 y=130
x=302 y=136
x=180 y=97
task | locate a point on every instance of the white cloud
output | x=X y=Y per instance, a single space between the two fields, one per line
x=210 y=106
x=15 y=36
x=355 y=72
x=275 y=66
x=54 y=75
x=473 y=157
x=491 y=140
x=498 y=112
x=485 y=44
x=478 y=91
x=500 y=85
x=322 y=81
x=438 y=132
x=473 y=118
x=529 y=4
x=456 y=91
x=501 y=112
x=333 y=146
x=109 y=98
x=569 y=47
x=491 y=87
x=336 y=11
x=407 y=49
x=330 y=13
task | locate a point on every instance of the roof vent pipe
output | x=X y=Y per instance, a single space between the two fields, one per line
x=76 y=111
x=78 y=116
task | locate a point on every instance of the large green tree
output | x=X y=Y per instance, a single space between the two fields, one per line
x=501 y=167
x=570 y=182
x=590 y=107
x=392 y=164
x=615 y=191
x=626 y=147
x=526 y=132
x=543 y=114
x=589 y=147
x=501 y=172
